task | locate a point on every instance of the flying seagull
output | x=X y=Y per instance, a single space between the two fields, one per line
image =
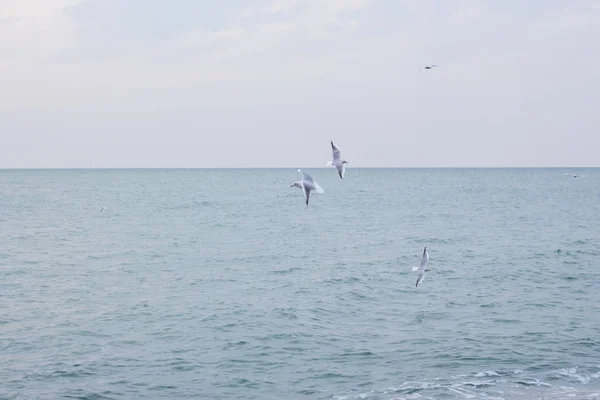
x=337 y=162
x=422 y=268
x=307 y=184
x=103 y=208
x=430 y=66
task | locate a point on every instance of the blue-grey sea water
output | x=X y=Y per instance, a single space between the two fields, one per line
x=221 y=284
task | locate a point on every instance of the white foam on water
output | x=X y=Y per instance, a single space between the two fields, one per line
x=572 y=373
x=464 y=394
x=481 y=384
x=487 y=373
x=538 y=393
x=500 y=385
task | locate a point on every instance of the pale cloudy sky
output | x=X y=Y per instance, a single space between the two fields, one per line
x=268 y=83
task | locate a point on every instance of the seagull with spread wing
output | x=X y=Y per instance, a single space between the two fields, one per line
x=421 y=269
x=307 y=184
x=337 y=162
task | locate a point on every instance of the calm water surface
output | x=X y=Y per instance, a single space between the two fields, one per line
x=219 y=284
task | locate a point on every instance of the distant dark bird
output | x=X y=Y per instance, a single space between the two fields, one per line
x=103 y=208
x=430 y=66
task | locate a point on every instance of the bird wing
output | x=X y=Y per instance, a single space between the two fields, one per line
x=306 y=177
x=424 y=260
x=336 y=151
x=420 y=278
x=306 y=192
x=341 y=168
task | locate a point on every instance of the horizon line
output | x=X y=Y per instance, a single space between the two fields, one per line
x=307 y=167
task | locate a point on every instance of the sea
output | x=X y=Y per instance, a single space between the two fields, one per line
x=222 y=284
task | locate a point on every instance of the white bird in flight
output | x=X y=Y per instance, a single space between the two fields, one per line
x=337 y=162
x=421 y=268
x=103 y=208
x=307 y=184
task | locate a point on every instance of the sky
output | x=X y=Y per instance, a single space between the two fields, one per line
x=268 y=83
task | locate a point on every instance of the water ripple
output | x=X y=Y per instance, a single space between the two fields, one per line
x=176 y=291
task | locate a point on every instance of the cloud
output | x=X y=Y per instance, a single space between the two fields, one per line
x=277 y=24
x=286 y=40
x=35 y=30
x=466 y=13
x=512 y=76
